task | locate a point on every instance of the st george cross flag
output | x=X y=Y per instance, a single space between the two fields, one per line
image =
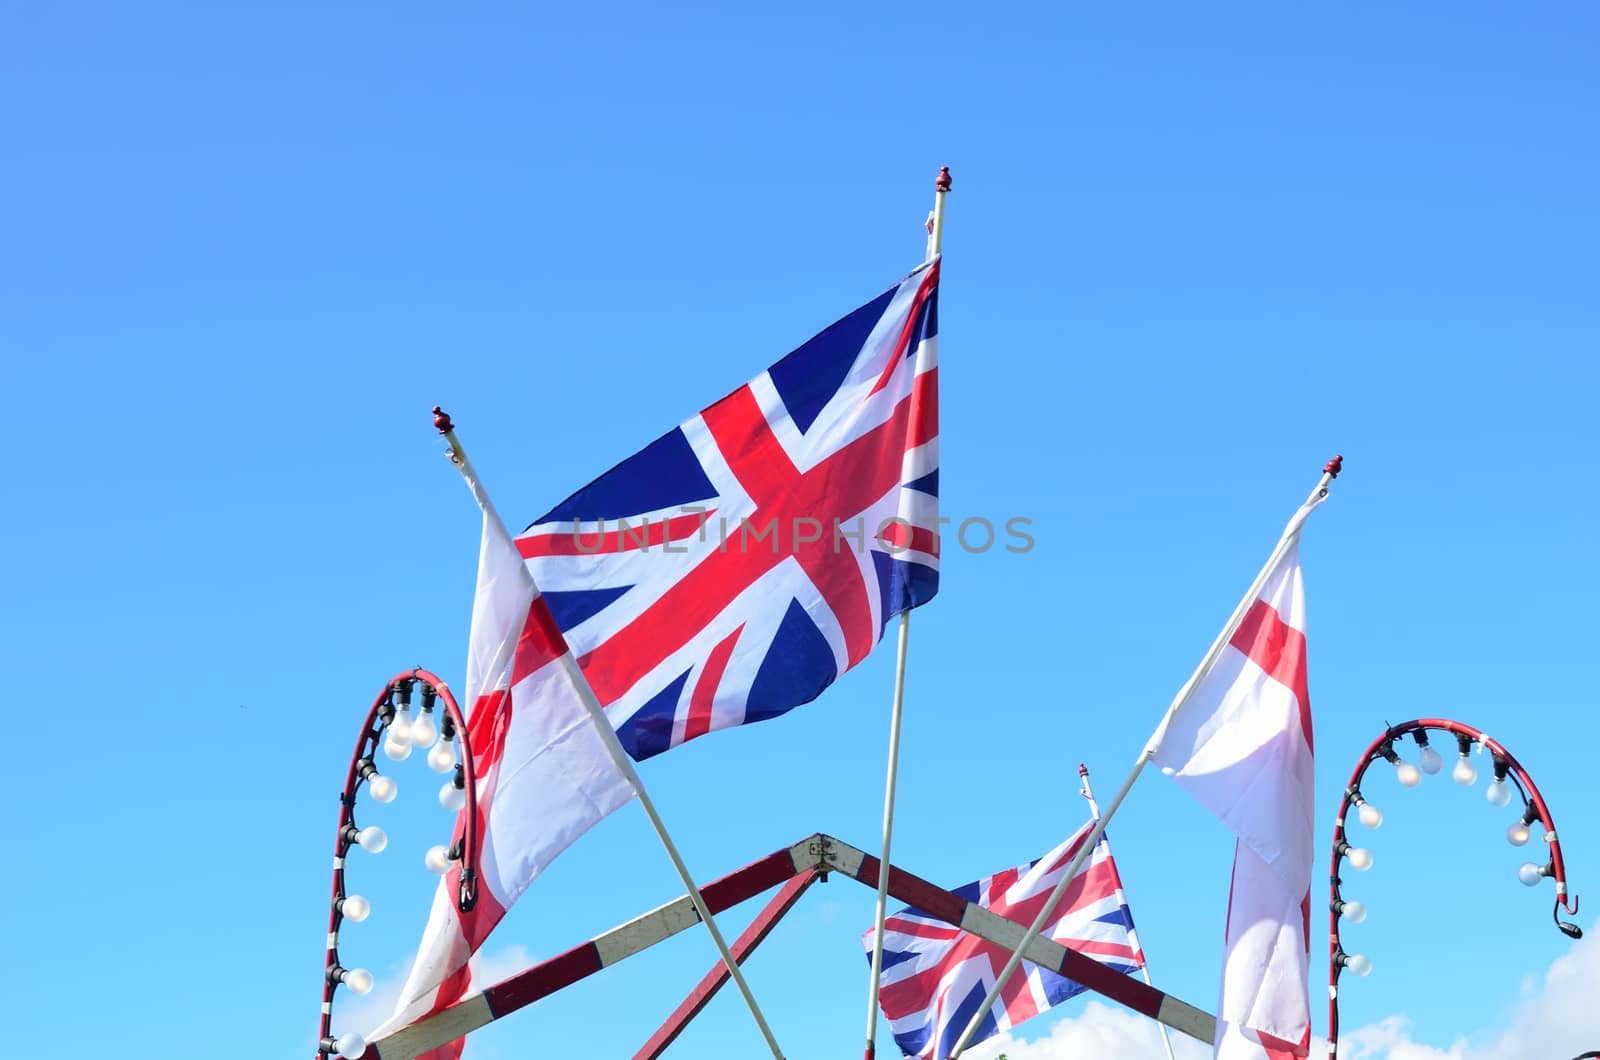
x=1242 y=747
x=935 y=976
x=734 y=567
x=545 y=775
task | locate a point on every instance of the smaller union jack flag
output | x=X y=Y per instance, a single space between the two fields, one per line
x=936 y=976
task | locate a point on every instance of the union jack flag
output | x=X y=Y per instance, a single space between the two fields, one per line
x=734 y=567
x=936 y=976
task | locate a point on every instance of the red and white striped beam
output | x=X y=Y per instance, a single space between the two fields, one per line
x=820 y=854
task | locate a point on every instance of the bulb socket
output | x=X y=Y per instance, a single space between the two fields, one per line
x=1463 y=743
x=429 y=694
x=1501 y=768
x=402 y=692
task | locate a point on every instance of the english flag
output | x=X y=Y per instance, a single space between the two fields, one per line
x=935 y=976
x=545 y=774
x=734 y=567
x=1242 y=746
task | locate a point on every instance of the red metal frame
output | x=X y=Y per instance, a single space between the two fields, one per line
x=1373 y=754
x=820 y=855
x=366 y=747
x=715 y=979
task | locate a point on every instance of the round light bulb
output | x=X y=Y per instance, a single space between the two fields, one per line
x=437 y=859
x=1358 y=964
x=1498 y=792
x=383 y=788
x=451 y=797
x=351 y=1046
x=1355 y=912
x=372 y=839
x=1517 y=833
x=400 y=726
x=1370 y=815
x=1360 y=858
x=1463 y=773
x=442 y=759
x=355 y=908
x=1408 y=775
x=396 y=750
x=1430 y=760
x=359 y=980
x=1530 y=874
x=424 y=731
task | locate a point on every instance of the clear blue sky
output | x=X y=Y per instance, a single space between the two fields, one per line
x=1192 y=252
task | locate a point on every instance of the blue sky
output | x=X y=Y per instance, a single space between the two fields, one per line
x=1191 y=253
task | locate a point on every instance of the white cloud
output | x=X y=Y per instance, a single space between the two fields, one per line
x=1557 y=1018
x=1101 y=1031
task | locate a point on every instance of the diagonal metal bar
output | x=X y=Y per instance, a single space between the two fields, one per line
x=714 y=980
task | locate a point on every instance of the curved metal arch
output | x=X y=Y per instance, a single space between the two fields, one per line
x=1505 y=764
x=398 y=693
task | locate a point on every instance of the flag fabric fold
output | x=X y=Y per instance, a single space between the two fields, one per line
x=935 y=976
x=733 y=568
x=544 y=772
x=1242 y=746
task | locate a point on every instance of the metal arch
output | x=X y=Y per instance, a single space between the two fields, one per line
x=1374 y=753
x=377 y=719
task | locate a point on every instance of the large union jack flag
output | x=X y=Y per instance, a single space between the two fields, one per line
x=731 y=569
x=936 y=976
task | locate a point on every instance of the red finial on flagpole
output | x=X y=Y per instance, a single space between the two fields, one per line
x=441 y=420
x=1331 y=468
x=943 y=183
x=1083 y=770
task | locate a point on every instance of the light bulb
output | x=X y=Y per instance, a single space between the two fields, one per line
x=397 y=750
x=355 y=908
x=1517 y=833
x=437 y=859
x=451 y=797
x=1530 y=874
x=1358 y=964
x=1360 y=858
x=424 y=731
x=1355 y=912
x=359 y=980
x=1408 y=775
x=1370 y=815
x=383 y=788
x=1430 y=760
x=351 y=1045
x=372 y=839
x=442 y=758
x=1464 y=773
x=1498 y=792
x=400 y=726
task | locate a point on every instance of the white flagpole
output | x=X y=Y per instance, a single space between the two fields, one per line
x=619 y=757
x=935 y=241
x=1144 y=964
x=1291 y=534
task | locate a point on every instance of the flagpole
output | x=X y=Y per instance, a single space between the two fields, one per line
x=1144 y=963
x=1291 y=534
x=935 y=242
x=608 y=737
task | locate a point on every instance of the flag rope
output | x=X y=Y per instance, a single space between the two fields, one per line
x=1291 y=534
x=619 y=757
x=891 y=775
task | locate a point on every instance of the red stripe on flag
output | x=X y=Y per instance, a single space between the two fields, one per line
x=904 y=535
x=540 y=644
x=698 y=723
x=640 y=536
x=929 y=282
x=1279 y=649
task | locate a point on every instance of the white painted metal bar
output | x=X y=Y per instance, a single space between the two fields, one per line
x=624 y=765
x=891 y=775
